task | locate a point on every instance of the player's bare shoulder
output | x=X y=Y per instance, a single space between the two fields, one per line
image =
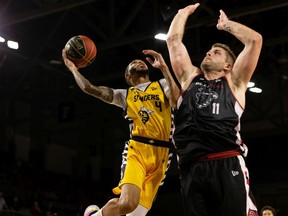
x=189 y=77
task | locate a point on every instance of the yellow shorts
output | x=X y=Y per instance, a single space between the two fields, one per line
x=144 y=165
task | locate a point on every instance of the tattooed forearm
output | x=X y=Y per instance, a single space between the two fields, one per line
x=101 y=92
x=104 y=93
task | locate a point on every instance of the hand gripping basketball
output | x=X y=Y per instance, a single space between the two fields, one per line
x=81 y=50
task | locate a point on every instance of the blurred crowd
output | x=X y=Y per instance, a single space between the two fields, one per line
x=27 y=190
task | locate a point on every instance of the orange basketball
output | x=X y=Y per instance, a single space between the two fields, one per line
x=81 y=50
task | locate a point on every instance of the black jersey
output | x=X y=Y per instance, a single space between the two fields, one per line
x=207 y=119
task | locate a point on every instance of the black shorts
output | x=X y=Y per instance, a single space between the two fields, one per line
x=217 y=187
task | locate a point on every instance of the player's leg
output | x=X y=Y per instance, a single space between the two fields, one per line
x=154 y=178
x=231 y=188
x=139 y=211
x=126 y=203
x=129 y=198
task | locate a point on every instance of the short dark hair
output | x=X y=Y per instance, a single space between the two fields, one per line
x=267 y=207
x=231 y=55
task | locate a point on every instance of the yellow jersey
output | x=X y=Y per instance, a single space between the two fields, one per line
x=149 y=113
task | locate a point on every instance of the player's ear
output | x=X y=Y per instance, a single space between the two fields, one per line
x=127 y=76
x=227 y=67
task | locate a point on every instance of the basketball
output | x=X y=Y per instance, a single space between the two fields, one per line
x=81 y=50
x=90 y=210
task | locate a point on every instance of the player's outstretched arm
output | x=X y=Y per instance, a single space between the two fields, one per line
x=247 y=60
x=101 y=92
x=181 y=62
x=158 y=62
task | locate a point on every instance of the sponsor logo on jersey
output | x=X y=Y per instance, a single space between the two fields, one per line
x=144 y=114
x=146 y=97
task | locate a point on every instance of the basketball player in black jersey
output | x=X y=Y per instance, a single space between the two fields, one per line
x=146 y=156
x=213 y=175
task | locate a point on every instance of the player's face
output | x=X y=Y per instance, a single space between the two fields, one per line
x=136 y=69
x=214 y=60
x=137 y=66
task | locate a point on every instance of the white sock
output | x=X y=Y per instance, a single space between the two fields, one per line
x=98 y=213
x=139 y=211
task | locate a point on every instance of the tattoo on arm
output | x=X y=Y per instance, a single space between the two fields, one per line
x=228 y=28
x=101 y=92
x=104 y=93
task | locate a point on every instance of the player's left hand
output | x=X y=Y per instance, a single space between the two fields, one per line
x=158 y=61
x=222 y=20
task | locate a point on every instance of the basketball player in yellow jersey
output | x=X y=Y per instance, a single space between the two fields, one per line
x=146 y=155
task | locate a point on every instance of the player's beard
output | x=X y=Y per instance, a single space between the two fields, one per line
x=139 y=73
x=208 y=66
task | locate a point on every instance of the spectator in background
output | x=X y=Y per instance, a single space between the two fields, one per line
x=16 y=204
x=267 y=211
x=51 y=209
x=3 y=205
x=35 y=209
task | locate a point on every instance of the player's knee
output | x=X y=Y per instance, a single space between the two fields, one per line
x=128 y=205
